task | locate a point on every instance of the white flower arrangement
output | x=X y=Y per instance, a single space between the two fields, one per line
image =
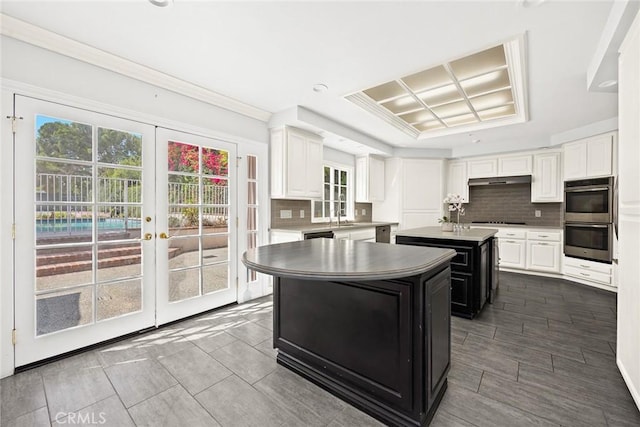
x=455 y=204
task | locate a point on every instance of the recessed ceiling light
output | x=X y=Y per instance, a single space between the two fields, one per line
x=320 y=87
x=608 y=83
x=161 y=3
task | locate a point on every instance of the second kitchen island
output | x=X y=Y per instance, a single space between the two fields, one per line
x=474 y=269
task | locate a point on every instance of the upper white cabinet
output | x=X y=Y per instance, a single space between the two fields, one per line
x=369 y=179
x=296 y=164
x=546 y=184
x=590 y=157
x=482 y=168
x=457 y=180
x=514 y=165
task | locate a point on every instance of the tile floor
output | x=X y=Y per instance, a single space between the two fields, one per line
x=542 y=355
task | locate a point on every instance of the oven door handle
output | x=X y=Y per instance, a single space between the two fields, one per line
x=585 y=189
x=588 y=225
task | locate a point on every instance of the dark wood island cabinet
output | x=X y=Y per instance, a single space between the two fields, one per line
x=369 y=322
x=473 y=269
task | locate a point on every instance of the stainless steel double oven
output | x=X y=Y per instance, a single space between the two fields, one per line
x=589 y=215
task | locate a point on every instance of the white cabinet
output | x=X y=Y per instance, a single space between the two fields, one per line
x=589 y=271
x=543 y=251
x=284 y=236
x=512 y=248
x=590 y=157
x=457 y=180
x=296 y=164
x=482 y=168
x=514 y=165
x=413 y=194
x=546 y=184
x=369 y=179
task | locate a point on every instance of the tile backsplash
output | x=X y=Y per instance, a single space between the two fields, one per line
x=295 y=207
x=510 y=203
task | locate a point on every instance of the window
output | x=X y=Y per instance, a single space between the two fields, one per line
x=337 y=194
x=252 y=209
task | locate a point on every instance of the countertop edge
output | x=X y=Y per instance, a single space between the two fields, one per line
x=324 y=227
x=390 y=274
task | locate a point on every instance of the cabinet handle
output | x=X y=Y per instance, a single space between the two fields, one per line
x=510 y=234
x=585 y=274
x=543 y=244
x=543 y=235
x=511 y=241
x=584 y=266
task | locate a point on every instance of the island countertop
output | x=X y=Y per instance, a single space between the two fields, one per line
x=472 y=235
x=335 y=259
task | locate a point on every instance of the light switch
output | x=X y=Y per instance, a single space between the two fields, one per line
x=301 y=213
x=285 y=214
x=538 y=213
x=364 y=212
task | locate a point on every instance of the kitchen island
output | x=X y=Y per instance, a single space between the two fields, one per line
x=369 y=322
x=474 y=269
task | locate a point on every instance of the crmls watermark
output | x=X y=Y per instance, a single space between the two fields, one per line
x=88 y=418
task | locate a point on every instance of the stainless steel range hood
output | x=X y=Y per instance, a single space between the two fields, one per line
x=502 y=180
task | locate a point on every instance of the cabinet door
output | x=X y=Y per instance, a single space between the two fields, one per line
x=546 y=185
x=362 y=180
x=457 y=182
x=421 y=185
x=313 y=168
x=376 y=179
x=512 y=253
x=296 y=165
x=520 y=165
x=575 y=161
x=483 y=168
x=599 y=155
x=543 y=256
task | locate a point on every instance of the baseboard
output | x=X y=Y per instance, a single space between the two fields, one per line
x=635 y=393
x=561 y=276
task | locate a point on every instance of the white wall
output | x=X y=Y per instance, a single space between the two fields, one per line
x=628 y=342
x=40 y=73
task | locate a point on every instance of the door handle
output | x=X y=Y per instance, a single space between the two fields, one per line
x=148 y=236
x=163 y=235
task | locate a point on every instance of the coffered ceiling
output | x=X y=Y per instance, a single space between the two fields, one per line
x=271 y=54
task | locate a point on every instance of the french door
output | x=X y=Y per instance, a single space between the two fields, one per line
x=118 y=227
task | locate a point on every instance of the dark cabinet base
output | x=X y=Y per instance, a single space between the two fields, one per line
x=383 y=346
x=471 y=271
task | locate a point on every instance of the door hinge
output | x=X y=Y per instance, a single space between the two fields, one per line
x=13 y=231
x=13 y=337
x=14 y=121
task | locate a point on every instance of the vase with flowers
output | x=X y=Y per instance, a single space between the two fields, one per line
x=454 y=202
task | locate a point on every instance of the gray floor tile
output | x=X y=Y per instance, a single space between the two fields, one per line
x=566 y=339
x=265 y=322
x=173 y=407
x=545 y=311
x=508 y=350
x=195 y=369
x=309 y=403
x=444 y=419
x=539 y=342
x=245 y=361
x=458 y=336
x=486 y=360
x=599 y=330
x=266 y=347
x=38 y=418
x=552 y=406
x=211 y=339
x=163 y=345
x=618 y=418
x=466 y=325
x=109 y=412
x=464 y=375
x=86 y=360
x=233 y=402
x=21 y=394
x=71 y=390
x=483 y=411
x=121 y=352
x=352 y=417
x=137 y=381
x=250 y=332
x=605 y=374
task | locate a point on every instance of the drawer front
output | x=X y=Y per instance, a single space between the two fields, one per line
x=593 y=276
x=550 y=236
x=510 y=233
x=460 y=292
x=368 y=233
x=587 y=266
x=463 y=260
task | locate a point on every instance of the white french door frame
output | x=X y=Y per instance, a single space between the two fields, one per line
x=30 y=347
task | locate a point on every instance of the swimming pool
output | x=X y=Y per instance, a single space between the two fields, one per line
x=85 y=225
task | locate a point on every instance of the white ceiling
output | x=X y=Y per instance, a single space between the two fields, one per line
x=270 y=54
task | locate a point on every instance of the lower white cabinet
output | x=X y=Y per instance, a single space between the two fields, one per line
x=543 y=256
x=512 y=252
x=589 y=271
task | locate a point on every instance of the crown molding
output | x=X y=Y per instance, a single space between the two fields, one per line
x=37 y=36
